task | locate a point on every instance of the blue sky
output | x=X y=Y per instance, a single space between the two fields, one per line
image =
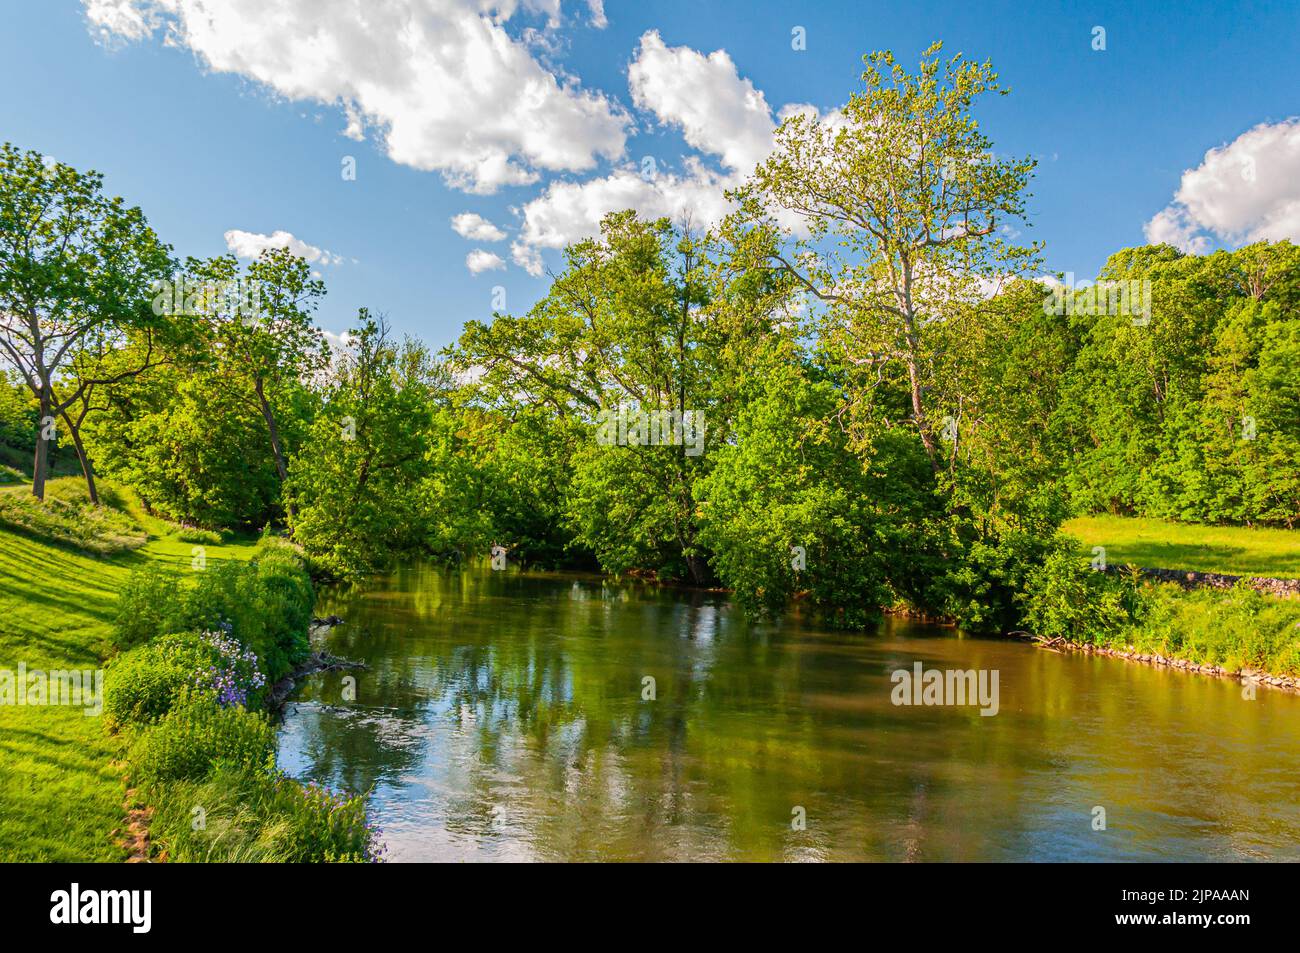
x=220 y=129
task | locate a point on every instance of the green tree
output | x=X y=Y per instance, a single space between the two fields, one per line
x=355 y=487
x=264 y=338
x=76 y=268
x=904 y=201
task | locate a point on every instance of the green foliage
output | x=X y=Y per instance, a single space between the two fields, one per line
x=66 y=517
x=1196 y=415
x=789 y=480
x=145 y=683
x=1234 y=629
x=989 y=565
x=188 y=741
x=207 y=537
x=266 y=602
x=255 y=816
x=193 y=448
x=1066 y=598
x=18 y=414
x=358 y=485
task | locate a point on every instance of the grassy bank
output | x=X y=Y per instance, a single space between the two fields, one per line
x=1161 y=544
x=61 y=794
x=1233 y=629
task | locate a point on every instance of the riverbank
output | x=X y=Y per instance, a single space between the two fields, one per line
x=1244 y=628
x=61 y=788
x=64 y=779
x=1247 y=677
x=85 y=782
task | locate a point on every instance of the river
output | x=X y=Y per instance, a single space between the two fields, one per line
x=506 y=716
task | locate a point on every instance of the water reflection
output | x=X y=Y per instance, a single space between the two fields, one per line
x=502 y=718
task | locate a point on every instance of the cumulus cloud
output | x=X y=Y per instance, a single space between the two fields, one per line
x=479 y=260
x=1245 y=191
x=717 y=110
x=476 y=228
x=440 y=81
x=569 y=211
x=597 y=11
x=251 y=244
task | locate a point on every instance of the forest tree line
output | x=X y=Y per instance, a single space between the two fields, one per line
x=892 y=410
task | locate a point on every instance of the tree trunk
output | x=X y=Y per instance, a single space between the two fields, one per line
x=277 y=448
x=41 y=462
x=87 y=468
x=918 y=412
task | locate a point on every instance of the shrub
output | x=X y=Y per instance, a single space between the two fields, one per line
x=192 y=737
x=1234 y=628
x=266 y=604
x=256 y=816
x=1066 y=598
x=206 y=537
x=146 y=605
x=144 y=684
x=989 y=568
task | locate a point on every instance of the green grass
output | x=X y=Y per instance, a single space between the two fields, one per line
x=1159 y=544
x=61 y=796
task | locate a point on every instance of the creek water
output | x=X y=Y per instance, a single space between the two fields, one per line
x=505 y=716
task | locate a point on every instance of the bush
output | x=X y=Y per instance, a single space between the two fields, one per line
x=981 y=584
x=255 y=816
x=150 y=680
x=191 y=534
x=144 y=684
x=266 y=604
x=1235 y=628
x=146 y=606
x=1066 y=598
x=187 y=741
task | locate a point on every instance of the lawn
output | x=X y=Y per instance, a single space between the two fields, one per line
x=1159 y=544
x=60 y=795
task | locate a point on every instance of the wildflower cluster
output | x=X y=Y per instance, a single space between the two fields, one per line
x=235 y=671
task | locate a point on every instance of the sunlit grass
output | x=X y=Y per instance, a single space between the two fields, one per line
x=1160 y=544
x=60 y=795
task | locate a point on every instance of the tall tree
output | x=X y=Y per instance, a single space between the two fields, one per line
x=264 y=337
x=903 y=200
x=76 y=268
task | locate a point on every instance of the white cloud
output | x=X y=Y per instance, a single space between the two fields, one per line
x=479 y=260
x=476 y=228
x=717 y=110
x=597 y=9
x=569 y=211
x=1173 y=226
x=116 y=20
x=440 y=81
x=1245 y=191
x=528 y=258
x=251 y=244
